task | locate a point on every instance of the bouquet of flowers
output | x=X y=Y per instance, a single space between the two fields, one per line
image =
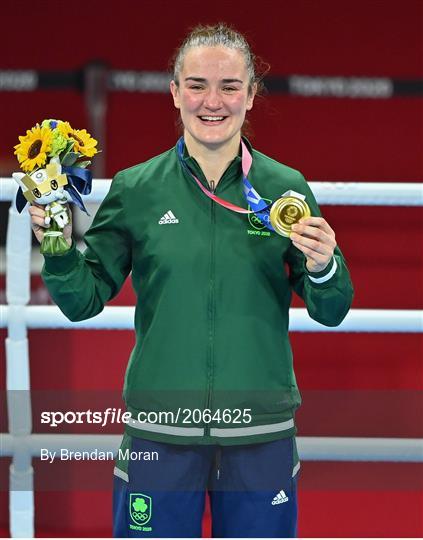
x=54 y=157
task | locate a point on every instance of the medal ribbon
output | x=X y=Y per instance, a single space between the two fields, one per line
x=258 y=205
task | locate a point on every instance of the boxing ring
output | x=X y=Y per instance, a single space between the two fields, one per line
x=22 y=445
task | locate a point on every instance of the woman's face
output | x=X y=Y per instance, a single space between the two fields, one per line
x=213 y=95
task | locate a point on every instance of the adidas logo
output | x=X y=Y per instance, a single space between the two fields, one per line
x=280 y=498
x=168 y=218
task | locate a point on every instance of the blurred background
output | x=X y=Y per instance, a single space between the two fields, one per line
x=343 y=103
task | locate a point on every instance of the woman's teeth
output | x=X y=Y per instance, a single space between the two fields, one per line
x=212 y=118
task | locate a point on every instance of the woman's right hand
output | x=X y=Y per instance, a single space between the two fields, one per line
x=38 y=225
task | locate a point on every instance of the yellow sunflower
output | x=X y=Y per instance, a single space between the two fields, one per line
x=83 y=142
x=33 y=148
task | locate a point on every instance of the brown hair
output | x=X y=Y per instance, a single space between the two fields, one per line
x=222 y=35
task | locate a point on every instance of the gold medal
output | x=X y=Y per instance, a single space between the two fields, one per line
x=285 y=212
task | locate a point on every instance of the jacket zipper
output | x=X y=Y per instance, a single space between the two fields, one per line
x=211 y=309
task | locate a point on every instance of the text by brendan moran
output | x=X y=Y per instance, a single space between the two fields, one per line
x=64 y=454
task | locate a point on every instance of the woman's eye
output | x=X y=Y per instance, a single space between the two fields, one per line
x=196 y=87
x=229 y=89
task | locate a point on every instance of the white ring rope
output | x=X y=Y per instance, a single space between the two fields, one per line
x=348 y=193
x=21 y=443
x=122 y=318
x=309 y=448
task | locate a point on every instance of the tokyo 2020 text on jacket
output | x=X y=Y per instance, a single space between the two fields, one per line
x=213 y=293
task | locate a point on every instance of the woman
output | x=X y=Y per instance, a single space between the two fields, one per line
x=213 y=293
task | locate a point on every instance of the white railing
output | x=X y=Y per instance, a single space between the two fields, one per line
x=122 y=318
x=337 y=193
x=309 y=448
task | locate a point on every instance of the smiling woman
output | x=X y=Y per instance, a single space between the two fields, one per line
x=214 y=85
x=212 y=312
x=213 y=95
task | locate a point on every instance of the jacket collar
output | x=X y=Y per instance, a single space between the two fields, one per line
x=234 y=169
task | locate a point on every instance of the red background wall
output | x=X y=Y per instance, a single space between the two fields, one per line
x=356 y=385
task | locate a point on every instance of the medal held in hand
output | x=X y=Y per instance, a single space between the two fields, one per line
x=54 y=158
x=287 y=211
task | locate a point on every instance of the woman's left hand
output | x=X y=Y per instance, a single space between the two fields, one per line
x=316 y=240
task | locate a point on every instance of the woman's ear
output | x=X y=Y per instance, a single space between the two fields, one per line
x=251 y=96
x=174 y=90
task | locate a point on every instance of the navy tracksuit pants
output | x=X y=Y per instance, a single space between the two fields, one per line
x=253 y=493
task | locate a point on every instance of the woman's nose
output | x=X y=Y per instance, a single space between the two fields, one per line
x=213 y=100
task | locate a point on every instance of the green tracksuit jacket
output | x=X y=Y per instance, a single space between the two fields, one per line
x=213 y=293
